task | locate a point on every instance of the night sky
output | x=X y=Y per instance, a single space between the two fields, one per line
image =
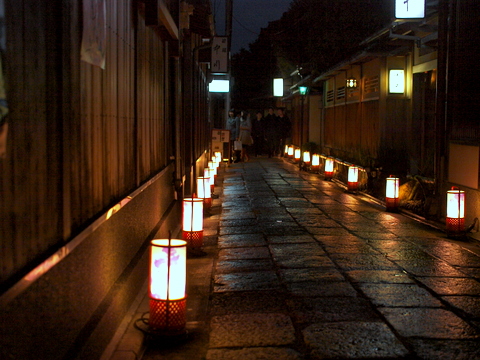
x=249 y=16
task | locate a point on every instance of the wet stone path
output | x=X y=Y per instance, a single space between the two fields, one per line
x=305 y=270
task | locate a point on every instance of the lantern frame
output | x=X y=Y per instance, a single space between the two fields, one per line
x=193 y=222
x=455 y=219
x=392 y=189
x=167 y=289
x=353 y=178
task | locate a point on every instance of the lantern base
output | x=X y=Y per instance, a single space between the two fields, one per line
x=168 y=317
x=194 y=238
x=455 y=226
x=352 y=186
x=392 y=204
x=328 y=175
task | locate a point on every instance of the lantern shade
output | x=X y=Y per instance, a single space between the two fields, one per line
x=329 y=168
x=392 y=193
x=193 y=222
x=218 y=157
x=353 y=178
x=168 y=273
x=286 y=149
x=455 y=220
x=306 y=157
x=204 y=191
x=168 y=269
x=297 y=154
x=315 y=162
x=290 y=151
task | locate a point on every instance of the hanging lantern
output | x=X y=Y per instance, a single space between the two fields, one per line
x=329 y=168
x=306 y=157
x=352 y=178
x=297 y=155
x=168 y=272
x=315 y=162
x=193 y=222
x=204 y=191
x=290 y=151
x=455 y=220
x=392 y=191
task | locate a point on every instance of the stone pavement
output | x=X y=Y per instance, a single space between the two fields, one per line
x=302 y=269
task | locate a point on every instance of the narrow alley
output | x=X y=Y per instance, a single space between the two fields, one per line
x=301 y=269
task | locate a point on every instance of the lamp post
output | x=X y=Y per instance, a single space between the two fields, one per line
x=392 y=193
x=168 y=272
x=455 y=221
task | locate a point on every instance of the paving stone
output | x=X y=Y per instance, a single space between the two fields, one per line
x=311 y=274
x=355 y=248
x=452 y=286
x=330 y=309
x=243 y=253
x=243 y=240
x=247 y=302
x=353 y=340
x=379 y=276
x=319 y=289
x=375 y=235
x=282 y=250
x=429 y=268
x=446 y=349
x=251 y=281
x=429 y=323
x=251 y=330
x=363 y=262
x=238 y=222
x=264 y=353
x=470 y=305
x=399 y=295
x=286 y=239
x=238 y=230
x=331 y=231
x=305 y=261
x=232 y=266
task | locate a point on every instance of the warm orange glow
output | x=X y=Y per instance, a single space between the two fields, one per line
x=290 y=151
x=297 y=154
x=192 y=214
x=315 y=160
x=306 y=156
x=218 y=157
x=168 y=264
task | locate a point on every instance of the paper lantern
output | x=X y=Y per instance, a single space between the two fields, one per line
x=329 y=162
x=352 y=178
x=204 y=191
x=297 y=155
x=392 y=193
x=168 y=271
x=193 y=222
x=306 y=157
x=291 y=151
x=455 y=221
x=315 y=162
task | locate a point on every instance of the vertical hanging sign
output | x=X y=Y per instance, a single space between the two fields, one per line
x=94 y=32
x=219 y=55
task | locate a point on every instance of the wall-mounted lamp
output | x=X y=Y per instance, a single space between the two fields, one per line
x=168 y=272
x=396 y=81
x=303 y=90
x=392 y=193
x=352 y=178
x=455 y=221
x=351 y=83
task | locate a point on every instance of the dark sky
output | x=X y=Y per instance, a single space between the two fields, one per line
x=249 y=16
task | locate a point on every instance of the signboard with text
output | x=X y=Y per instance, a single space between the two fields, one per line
x=219 y=55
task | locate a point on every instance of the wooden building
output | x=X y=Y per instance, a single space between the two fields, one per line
x=107 y=127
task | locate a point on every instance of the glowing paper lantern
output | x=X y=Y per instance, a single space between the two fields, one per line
x=168 y=272
x=297 y=155
x=193 y=222
x=392 y=193
x=352 y=178
x=455 y=221
x=315 y=162
x=290 y=151
x=306 y=157
x=329 y=168
x=204 y=191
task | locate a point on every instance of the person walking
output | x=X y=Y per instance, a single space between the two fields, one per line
x=233 y=124
x=258 y=133
x=271 y=132
x=245 y=135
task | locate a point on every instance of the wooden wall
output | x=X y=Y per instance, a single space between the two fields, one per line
x=81 y=138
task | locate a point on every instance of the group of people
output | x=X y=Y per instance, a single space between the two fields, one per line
x=264 y=135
